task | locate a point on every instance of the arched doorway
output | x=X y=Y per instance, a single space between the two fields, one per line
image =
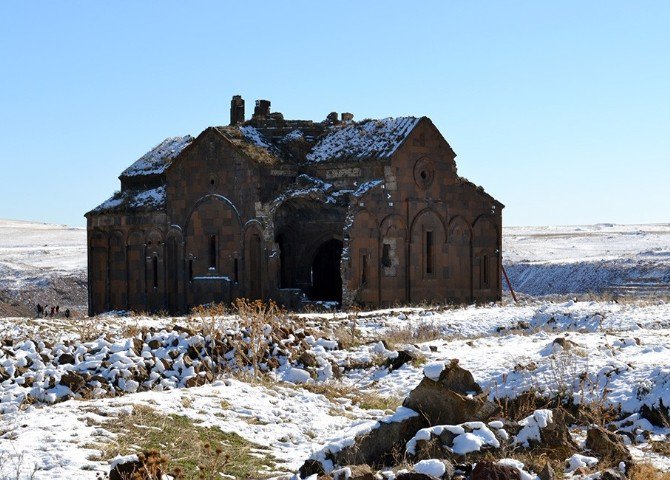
x=255 y=267
x=326 y=277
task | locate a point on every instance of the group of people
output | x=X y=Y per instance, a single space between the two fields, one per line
x=50 y=311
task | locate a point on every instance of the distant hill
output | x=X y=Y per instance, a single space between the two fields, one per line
x=47 y=263
x=42 y=263
x=603 y=258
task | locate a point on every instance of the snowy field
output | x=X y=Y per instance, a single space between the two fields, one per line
x=604 y=258
x=41 y=263
x=328 y=376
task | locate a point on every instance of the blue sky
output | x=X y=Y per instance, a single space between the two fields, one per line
x=561 y=110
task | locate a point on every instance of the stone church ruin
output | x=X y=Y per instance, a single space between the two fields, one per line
x=370 y=213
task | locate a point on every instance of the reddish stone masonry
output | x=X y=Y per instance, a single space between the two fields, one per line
x=370 y=213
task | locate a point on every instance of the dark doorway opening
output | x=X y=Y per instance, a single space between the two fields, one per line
x=326 y=276
x=284 y=281
x=255 y=253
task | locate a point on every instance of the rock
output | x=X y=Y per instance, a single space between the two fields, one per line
x=354 y=472
x=658 y=416
x=199 y=380
x=564 y=343
x=66 y=358
x=444 y=402
x=556 y=439
x=73 y=381
x=179 y=328
x=608 y=445
x=379 y=447
x=494 y=471
x=414 y=476
x=308 y=359
x=403 y=357
x=148 y=466
x=612 y=474
x=458 y=379
x=309 y=468
x=547 y=472
x=154 y=344
x=337 y=371
x=3 y=374
x=137 y=346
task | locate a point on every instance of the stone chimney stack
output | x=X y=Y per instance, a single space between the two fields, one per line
x=262 y=109
x=237 y=110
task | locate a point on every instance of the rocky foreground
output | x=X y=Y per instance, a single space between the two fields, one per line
x=578 y=388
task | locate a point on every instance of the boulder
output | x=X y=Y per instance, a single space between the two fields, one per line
x=137 y=346
x=414 y=476
x=564 y=343
x=608 y=446
x=403 y=357
x=556 y=439
x=73 y=381
x=658 y=416
x=308 y=359
x=379 y=447
x=449 y=400
x=65 y=358
x=612 y=474
x=493 y=471
x=354 y=472
x=309 y=468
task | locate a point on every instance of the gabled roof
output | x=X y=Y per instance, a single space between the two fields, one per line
x=156 y=160
x=364 y=140
x=252 y=143
x=133 y=201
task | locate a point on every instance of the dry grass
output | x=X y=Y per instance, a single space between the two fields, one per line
x=411 y=334
x=662 y=448
x=364 y=399
x=194 y=451
x=646 y=471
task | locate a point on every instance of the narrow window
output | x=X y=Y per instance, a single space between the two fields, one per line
x=386 y=255
x=235 y=270
x=212 y=252
x=485 y=271
x=429 y=252
x=364 y=270
x=155 y=269
x=190 y=269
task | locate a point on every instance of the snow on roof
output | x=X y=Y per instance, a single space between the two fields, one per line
x=364 y=140
x=156 y=160
x=254 y=136
x=133 y=200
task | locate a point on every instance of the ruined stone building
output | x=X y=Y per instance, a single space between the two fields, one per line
x=370 y=213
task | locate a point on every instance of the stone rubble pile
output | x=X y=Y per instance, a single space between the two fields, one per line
x=43 y=372
x=449 y=430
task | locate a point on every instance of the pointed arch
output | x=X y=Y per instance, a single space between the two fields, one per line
x=393 y=241
x=427 y=256
x=98 y=272
x=173 y=266
x=254 y=260
x=118 y=284
x=485 y=258
x=459 y=260
x=364 y=252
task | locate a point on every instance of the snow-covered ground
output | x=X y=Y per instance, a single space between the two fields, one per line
x=603 y=258
x=615 y=354
x=41 y=263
